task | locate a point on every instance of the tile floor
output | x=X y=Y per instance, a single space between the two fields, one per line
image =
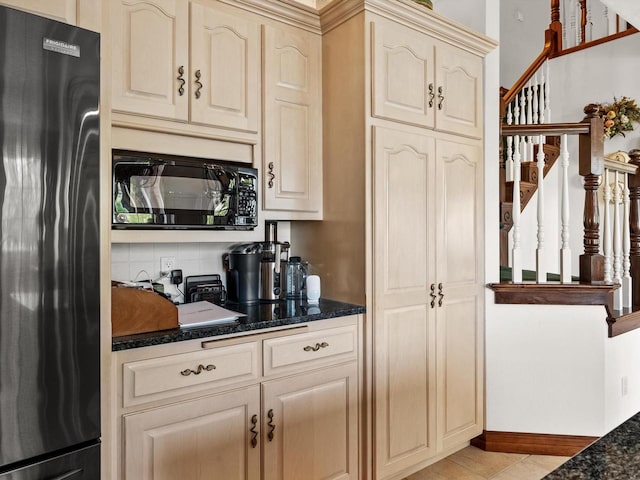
x=472 y=463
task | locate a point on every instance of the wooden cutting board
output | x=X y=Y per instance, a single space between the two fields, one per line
x=139 y=311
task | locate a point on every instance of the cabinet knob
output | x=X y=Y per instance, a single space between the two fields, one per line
x=198 y=83
x=271 y=175
x=181 y=80
x=440 y=98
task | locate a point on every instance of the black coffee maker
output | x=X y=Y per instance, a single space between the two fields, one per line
x=242 y=265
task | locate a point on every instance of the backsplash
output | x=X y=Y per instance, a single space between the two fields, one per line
x=141 y=261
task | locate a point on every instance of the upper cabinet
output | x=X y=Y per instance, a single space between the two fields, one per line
x=292 y=120
x=61 y=10
x=446 y=91
x=199 y=66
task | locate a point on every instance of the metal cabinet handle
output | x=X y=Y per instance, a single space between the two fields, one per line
x=317 y=347
x=440 y=98
x=432 y=95
x=433 y=295
x=198 y=83
x=254 y=432
x=200 y=369
x=440 y=294
x=271 y=425
x=68 y=475
x=181 y=80
x=271 y=174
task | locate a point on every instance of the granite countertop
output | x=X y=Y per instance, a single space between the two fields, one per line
x=258 y=316
x=616 y=456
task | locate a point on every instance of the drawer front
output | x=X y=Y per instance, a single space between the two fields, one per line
x=308 y=350
x=164 y=377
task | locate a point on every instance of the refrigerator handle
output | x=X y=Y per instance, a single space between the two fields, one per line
x=68 y=475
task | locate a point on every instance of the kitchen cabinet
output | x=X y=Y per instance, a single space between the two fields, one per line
x=283 y=403
x=61 y=10
x=187 y=62
x=403 y=196
x=446 y=87
x=292 y=121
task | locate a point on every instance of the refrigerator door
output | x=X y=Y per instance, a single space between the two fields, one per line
x=49 y=237
x=82 y=464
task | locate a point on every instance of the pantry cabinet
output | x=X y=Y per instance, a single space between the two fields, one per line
x=403 y=163
x=277 y=406
x=61 y=10
x=293 y=120
x=186 y=62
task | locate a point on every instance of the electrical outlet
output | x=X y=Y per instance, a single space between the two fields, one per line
x=167 y=264
x=624 y=384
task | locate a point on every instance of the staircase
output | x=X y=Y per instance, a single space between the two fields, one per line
x=627 y=9
x=610 y=265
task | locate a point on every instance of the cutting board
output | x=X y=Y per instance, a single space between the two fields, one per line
x=139 y=311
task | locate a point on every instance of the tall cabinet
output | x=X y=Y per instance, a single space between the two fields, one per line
x=403 y=181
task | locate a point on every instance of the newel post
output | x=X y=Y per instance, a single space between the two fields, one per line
x=554 y=33
x=634 y=230
x=591 y=167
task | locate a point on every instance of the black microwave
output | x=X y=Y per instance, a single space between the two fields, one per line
x=152 y=191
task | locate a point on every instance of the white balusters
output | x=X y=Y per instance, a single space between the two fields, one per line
x=547 y=86
x=626 y=247
x=516 y=255
x=565 y=250
x=536 y=103
x=508 y=164
x=616 y=239
x=541 y=96
x=617 y=242
x=607 y=244
x=541 y=267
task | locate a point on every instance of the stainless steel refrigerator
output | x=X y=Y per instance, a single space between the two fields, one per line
x=49 y=250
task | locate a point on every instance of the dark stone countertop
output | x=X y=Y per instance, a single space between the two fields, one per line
x=258 y=316
x=616 y=456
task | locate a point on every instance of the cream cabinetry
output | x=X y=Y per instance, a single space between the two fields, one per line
x=403 y=213
x=293 y=121
x=186 y=62
x=61 y=10
x=217 y=406
x=445 y=90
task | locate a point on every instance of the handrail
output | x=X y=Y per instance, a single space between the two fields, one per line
x=550 y=47
x=550 y=129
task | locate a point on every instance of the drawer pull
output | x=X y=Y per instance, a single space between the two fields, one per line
x=254 y=432
x=200 y=369
x=318 y=346
x=272 y=427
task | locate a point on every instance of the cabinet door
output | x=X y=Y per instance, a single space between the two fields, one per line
x=210 y=437
x=459 y=91
x=314 y=423
x=61 y=10
x=459 y=266
x=225 y=50
x=150 y=49
x=402 y=74
x=293 y=120
x=404 y=323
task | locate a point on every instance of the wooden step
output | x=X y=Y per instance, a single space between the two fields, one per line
x=527 y=189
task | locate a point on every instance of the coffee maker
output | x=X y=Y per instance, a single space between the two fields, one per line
x=274 y=256
x=243 y=273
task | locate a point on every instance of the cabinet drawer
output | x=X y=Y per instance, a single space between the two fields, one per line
x=159 y=378
x=308 y=350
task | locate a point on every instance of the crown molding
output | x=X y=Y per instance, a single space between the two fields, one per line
x=412 y=15
x=284 y=11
